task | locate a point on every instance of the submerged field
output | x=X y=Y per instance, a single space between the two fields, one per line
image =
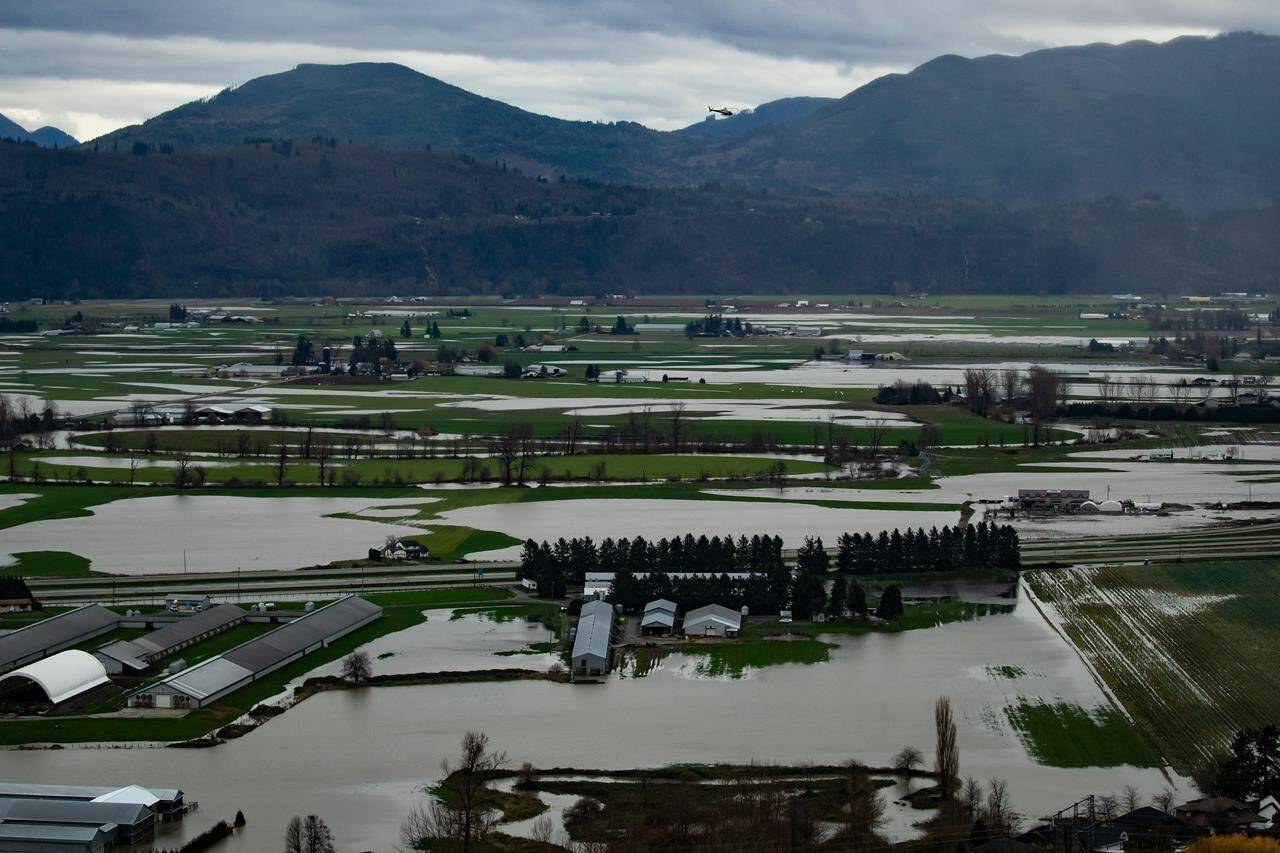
x=1188 y=649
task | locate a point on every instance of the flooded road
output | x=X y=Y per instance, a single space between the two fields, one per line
x=357 y=758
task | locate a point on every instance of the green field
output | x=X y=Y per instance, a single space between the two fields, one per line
x=1188 y=649
x=1063 y=735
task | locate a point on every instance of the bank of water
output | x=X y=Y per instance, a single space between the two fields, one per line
x=360 y=758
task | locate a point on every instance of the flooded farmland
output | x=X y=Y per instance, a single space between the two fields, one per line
x=217 y=533
x=359 y=758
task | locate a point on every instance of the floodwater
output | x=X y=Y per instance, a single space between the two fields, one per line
x=1110 y=477
x=360 y=758
x=217 y=533
x=611 y=517
x=466 y=643
x=752 y=410
x=141 y=461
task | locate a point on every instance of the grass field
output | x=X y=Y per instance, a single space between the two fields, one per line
x=1188 y=649
x=1065 y=735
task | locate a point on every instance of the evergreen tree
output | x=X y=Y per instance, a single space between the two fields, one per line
x=890 y=606
x=837 y=601
x=856 y=600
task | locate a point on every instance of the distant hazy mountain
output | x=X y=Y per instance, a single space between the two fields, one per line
x=388 y=104
x=45 y=137
x=1195 y=120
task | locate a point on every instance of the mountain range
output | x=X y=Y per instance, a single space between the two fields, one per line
x=1130 y=168
x=45 y=137
x=1187 y=120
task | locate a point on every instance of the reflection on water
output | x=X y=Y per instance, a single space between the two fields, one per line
x=358 y=758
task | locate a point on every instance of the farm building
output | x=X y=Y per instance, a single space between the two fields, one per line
x=216 y=677
x=712 y=621
x=125 y=823
x=165 y=803
x=55 y=838
x=592 y=641
x=659 y=618
x=537 y=371
x=57 y=678
x=44 y=638
x=138 y=655
x=1049 y=500
x=186 y=601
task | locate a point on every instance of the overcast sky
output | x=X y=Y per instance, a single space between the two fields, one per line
x=90 y=66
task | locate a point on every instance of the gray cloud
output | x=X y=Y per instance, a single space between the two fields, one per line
x=100 y=64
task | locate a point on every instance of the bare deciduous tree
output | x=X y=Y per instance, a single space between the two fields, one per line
x=866 y=807
x=999 y=813
x=307 y=835
x=1130 y=798
x=316 y=837
x=461 y=814
x=971 y=795
x=293 y=836
x=1011 y=384
x=908 y=758
x=947 y=757
x=357 y=667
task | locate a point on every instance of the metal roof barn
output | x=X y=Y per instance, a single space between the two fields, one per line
x=591 y=643
x=140 y=653
x=134 y=822
x=214 y=678
x=713 y=620
x=63 y=676
x=54 y=634
x=36 y=838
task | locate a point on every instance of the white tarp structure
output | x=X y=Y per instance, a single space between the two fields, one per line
x=63 y=675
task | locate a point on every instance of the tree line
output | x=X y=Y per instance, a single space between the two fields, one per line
x=363 y=218
x=553 y=566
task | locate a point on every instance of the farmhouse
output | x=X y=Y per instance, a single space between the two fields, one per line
x=592 y=641
x=405 y=549
x=659 y=618
x=712 y=621
x=210 y=680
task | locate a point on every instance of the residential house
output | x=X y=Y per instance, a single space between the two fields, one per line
x=1218 y=814
x=405 y=549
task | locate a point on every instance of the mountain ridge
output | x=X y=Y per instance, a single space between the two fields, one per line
x=46 y=136
x=1185 y=120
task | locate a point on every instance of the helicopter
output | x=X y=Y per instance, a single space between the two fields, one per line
x=724 y=111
